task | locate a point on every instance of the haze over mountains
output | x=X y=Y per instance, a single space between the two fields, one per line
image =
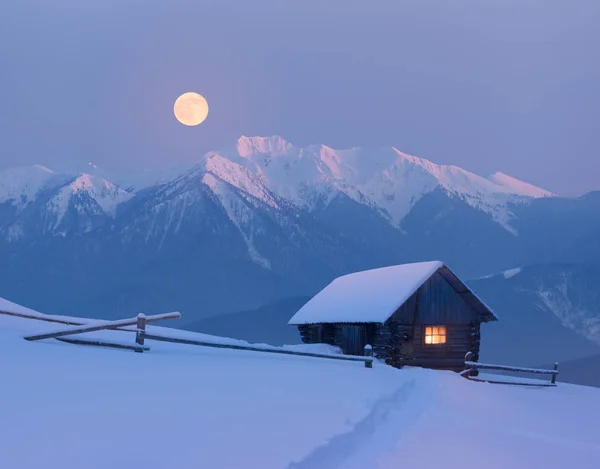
x=264 y=220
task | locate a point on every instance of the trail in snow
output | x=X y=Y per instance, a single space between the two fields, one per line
x=374 y=436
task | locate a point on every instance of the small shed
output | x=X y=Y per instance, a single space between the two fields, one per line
x=418 y=314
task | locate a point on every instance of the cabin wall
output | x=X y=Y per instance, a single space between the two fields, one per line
x=351 y=338
x=317 y=333
x=437 y=303
x=460 y=339
x=402 y=344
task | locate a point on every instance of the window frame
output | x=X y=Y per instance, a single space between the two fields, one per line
x=439 y=344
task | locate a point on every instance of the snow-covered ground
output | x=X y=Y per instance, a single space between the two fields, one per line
x=180 y=407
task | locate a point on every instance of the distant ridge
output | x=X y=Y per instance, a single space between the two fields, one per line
x=383 y=178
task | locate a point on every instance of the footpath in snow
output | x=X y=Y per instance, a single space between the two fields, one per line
x=181 y=406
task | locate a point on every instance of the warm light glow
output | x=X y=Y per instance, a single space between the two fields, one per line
x=190 y=109
x=435 y=335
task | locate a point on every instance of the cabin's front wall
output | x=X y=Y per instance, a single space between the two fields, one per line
x=436 y=303
x=460 y=339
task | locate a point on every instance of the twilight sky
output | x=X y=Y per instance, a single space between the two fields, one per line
x=495 y=85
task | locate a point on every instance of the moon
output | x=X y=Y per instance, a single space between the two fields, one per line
x=191 y=109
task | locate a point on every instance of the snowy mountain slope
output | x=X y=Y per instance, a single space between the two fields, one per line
x=553 y=310
x=581 y=371
x=36 y=200
x=568 y=291
x=268 y=323
x=515 y=186
x=105 y=194
x=20 y=186
x=384 y=178
x=272 y=412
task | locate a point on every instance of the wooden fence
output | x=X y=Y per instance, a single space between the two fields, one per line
x=141 y=335
x=368 y=359
x=108 y=325
x=472 y=368
x=120 y=325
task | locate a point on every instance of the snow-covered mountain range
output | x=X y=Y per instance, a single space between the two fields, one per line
x=271 y=170
x=263 y=220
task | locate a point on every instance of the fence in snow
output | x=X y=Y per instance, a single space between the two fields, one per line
x=472 y=368
x=141 y=335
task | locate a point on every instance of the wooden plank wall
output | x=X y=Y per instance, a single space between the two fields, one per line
x=352 y=338
x=438 y=303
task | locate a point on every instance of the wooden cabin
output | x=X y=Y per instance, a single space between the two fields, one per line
x=413 y=314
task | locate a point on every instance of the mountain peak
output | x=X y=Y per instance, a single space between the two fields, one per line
x=104 y=193
x=273 y=145
x=21 y=185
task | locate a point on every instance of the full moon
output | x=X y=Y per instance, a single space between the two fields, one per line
x=190 y=109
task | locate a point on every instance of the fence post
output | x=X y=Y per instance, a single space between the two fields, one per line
x=554 y=374
x=141 y=328
x=369 y=353
x=472 y=371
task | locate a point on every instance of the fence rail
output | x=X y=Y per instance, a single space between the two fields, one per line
x=44 y=318
x=103 y=343
x=471 y=367
x=79 y=327
x=104 y=326
x=368 y=360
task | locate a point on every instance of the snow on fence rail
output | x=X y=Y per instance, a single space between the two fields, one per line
x=471 y=367
x=45 y=318
x=140 y=322
x=105 y=326
x=368 y=359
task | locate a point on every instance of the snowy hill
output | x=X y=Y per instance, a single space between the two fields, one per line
x=98 y=408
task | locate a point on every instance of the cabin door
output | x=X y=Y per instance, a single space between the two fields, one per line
x=353 y=341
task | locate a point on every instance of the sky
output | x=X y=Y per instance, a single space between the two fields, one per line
x=495 y=85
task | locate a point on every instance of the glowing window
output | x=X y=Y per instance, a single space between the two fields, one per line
x=435 y=335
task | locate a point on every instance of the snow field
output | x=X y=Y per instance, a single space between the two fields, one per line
x=185 y=407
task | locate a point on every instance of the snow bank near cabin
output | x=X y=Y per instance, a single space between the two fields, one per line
x=188 y=407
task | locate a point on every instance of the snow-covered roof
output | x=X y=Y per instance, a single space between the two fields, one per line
x=374 y=295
